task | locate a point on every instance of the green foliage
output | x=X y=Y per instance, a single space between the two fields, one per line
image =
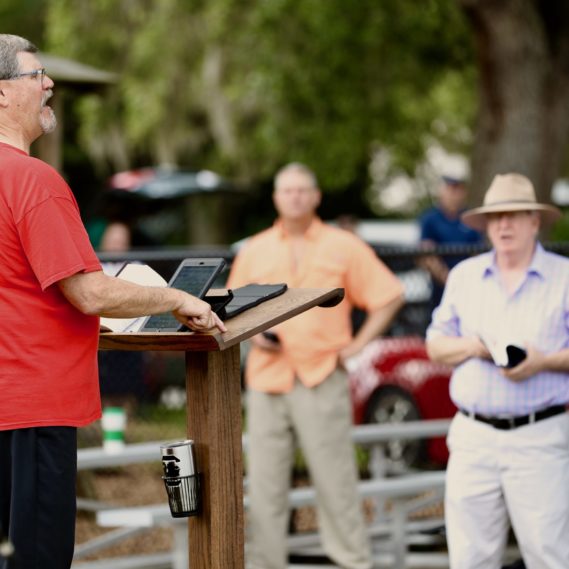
x=24 y=18
x=243 y=87
x=560 y=230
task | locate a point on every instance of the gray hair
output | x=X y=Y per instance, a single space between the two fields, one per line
x=10 y=46
x=297 y=167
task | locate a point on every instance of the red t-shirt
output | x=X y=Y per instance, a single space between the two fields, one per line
x=48 y=348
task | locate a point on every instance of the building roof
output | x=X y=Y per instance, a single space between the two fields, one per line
x=66 y=70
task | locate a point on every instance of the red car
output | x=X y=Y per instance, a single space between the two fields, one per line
x=395 y=381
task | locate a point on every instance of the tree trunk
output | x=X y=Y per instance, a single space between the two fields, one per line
x=523 y=61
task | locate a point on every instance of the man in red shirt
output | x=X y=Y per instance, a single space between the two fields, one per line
x=52 y=292
x=296 y=379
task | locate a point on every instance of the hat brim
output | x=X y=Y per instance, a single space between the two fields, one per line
x=450 y=181
x=477 y=217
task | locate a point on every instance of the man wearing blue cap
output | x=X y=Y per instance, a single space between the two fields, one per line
x=441 y=225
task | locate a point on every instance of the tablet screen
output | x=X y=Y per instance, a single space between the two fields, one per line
x=194 y=279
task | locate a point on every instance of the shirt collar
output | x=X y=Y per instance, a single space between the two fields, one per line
x=536 y=266
x=311 y=233
x=9 y=146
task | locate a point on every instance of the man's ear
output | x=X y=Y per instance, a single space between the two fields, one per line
x=3 y=98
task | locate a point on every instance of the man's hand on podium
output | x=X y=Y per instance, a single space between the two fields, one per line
x=197 y=315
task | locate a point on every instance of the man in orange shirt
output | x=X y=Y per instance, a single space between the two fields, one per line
x=296 y=378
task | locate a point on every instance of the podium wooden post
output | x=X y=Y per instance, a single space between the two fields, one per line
x=213 y=390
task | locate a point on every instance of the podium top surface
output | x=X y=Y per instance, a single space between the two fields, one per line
x=253 y=321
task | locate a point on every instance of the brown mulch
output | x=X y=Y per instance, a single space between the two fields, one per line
x=134 y=485
x=138 y=485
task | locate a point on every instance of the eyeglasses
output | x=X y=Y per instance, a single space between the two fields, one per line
x=41 y=73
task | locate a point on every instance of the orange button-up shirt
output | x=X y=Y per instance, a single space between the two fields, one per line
x=311 y=341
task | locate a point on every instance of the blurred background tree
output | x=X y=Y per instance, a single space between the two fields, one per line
x=25 y=18
x=242 y=87
x=522 y=52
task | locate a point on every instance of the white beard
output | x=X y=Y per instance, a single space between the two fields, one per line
x=49 y=122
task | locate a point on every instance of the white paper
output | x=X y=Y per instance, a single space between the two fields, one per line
x=498 y=353
x=497 y=349
x=137 y=273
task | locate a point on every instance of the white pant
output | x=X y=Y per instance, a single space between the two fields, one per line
x=320 y=419
x=496 y=477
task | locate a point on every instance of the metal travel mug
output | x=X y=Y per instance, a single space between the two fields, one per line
x=181 y=478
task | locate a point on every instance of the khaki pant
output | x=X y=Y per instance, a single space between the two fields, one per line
x=319 y=419
x=495 y=478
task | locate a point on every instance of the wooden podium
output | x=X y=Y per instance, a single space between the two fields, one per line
x=213 y=390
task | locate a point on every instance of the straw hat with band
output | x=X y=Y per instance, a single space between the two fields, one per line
x=509 y=192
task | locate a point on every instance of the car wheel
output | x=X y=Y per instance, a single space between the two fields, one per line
x=393 y=405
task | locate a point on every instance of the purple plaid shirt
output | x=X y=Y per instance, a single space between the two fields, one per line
x=537 y=314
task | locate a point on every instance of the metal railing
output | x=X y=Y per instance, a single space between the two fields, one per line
x=133 y=520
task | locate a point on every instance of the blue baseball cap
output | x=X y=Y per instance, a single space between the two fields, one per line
x=453 y=181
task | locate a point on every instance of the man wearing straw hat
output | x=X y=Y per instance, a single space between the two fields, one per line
x=509 y=442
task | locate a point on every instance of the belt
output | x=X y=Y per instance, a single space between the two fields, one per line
x=508 y=423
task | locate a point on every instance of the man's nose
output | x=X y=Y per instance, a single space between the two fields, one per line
x=48 y=82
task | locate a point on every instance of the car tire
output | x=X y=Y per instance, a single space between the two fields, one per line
x=394 y=405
